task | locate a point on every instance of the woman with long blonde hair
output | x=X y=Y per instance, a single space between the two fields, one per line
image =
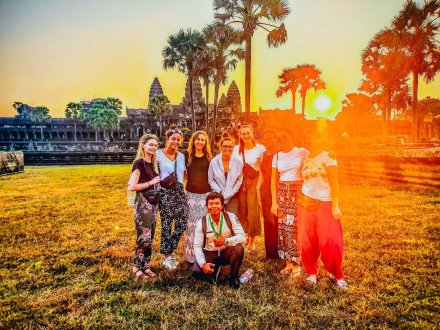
x=143 y=178
x=250 y=152
x=197 y=187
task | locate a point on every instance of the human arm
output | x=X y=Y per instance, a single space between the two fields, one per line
x=134 y=185
x=332 y=173
x=239 y=236
x=198 y=244
x=211 y=178
x=259 y=184
x=273 y=189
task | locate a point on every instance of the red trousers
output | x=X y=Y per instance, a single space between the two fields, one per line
x=320 y=234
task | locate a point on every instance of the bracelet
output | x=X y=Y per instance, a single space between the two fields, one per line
x=148 y=184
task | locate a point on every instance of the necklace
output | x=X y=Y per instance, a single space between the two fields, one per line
x=216 y=234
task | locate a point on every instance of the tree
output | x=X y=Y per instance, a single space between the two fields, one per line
x=250 y=15
x=220 y=39
x=160 y=105
x=115 y=104
x=307 y=76
x=100 y=117
x=181 y=52
x=289 y=83
x=357 y=109
x=385 y=70
x=18 y=107
x=417 y=30
x=39 y=114
x=74 y=111
x=204 y=69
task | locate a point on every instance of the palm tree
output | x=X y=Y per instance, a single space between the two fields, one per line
x=74 y=111
x=160 y=105
x=221 y=38
x=357 y=108
x=308 y=76
x=18 y=107
x=181 y=52
x=385 y=70
x=204 y=69
x=251 y=14
x=100 y=117
x=115 y=104
x=289 y=83
x=40 y=114
x=417 y=30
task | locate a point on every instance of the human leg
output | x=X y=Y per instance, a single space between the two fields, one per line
x=308 y=240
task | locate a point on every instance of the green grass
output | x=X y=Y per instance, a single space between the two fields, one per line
x=67 y=240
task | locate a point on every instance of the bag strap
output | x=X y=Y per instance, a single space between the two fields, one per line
x=204 y=231
x=229 y=223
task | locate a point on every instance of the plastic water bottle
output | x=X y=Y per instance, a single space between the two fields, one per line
x=131 y=195
x=246 y=276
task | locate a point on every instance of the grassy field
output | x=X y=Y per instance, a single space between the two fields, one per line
x=67 y=240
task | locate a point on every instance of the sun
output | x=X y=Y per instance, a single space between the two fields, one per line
x=322 y=103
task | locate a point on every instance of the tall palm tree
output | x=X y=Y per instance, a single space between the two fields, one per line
x=385 y=70
x=114 y=103
x=357 y=108
x=289 y=83
x=160 y=105
x=250 y=15
x=417 y=28
x=308 y=76
x=221 y=38
x=181 y=53
x=74 y=111
x=204 y=69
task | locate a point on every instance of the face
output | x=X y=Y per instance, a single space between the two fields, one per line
x=284 y=140
x=314 y=142
x=174 y=141
x=269 y=140
x=246 y=134
x=150 y=147
x=200 y=142
x=214 y=206
x=226 y=148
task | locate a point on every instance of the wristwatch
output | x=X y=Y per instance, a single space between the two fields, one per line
x=226 y=243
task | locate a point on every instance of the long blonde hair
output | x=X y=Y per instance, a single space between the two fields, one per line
x=140 y=151
x=240 y=141
x=192 y=149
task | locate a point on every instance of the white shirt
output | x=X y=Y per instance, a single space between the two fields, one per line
x=239 y=237
x=252 y=156
x=217 y=180
x=316 y=184
x=289 y=164
x=166 y=166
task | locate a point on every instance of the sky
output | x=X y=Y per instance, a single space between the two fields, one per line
x=53 y=52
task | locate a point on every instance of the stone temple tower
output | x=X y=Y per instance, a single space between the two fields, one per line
x=155 y=89
x=234 y=98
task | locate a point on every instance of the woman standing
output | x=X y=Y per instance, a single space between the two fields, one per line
x=286 y=185
x=264 y=194
x=320 y=230
x=225 y=174
x=250 y=152
x=173 y=206
x=197 y=187
x=143 y=178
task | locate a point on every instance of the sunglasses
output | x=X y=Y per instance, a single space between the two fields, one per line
x=173 y=131
x=227 y=147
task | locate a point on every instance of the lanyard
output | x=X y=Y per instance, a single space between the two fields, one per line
x=212 y=224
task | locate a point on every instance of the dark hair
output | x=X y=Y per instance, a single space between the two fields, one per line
x=172 y=130
x=215 y=195
x=225 y=137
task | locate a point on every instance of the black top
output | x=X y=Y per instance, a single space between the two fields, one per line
x=147 y=171
x=266 y=169
x=197 y=173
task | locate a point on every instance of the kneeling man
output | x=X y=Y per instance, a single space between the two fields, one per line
x=218 y=242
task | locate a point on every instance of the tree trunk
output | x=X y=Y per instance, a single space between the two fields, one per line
x=415 y=88
x=247 y=88
x=214 y=119
x=193 y=114
x=160 y=125
x=207 y=105
x=303 y=105
x=293 y=101
x=387 y=113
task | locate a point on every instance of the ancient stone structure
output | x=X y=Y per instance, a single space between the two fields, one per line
x=198 y=100
x=155 y=89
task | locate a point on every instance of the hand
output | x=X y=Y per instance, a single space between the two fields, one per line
x=336 y=213
x=274 y=209
x=208 y=268
x=219 y=241
x=154 y=181
x=130 y=187
x=260 y=204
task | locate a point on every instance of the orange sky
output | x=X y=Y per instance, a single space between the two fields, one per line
x=53 y=52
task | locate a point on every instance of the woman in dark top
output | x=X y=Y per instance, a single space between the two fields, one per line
x=143 y=177
x=264 y=195
x=197 y=187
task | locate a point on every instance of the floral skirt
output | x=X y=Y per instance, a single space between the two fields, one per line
x=196 y=210
x=287 y=194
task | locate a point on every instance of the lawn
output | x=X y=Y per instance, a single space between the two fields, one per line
x=67 y=240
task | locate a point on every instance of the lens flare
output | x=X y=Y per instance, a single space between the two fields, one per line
x=322 y=103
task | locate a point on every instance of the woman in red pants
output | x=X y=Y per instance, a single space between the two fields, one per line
x=319 y=225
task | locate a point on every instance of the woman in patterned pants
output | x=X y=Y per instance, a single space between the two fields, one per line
x=143 y=178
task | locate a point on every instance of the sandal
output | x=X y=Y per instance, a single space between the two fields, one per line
x=149 y=273
x=295 y=273
x=311 y=280
x=138 y=274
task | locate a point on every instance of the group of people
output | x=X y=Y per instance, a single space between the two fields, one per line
x=294 y=190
